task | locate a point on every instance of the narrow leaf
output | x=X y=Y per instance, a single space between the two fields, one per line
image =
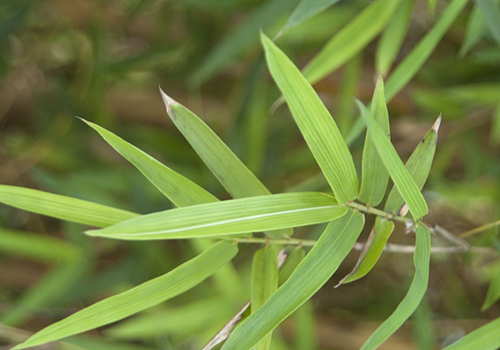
x=415 y=294
x=419 y=166
x=476 y=27
x=391 y=40
x=400 y=176
x=412 y=63
x=291 y=263
x=241 y=38
x=315 y=122
x=351 y=39
x=305 y=10
x=62 y=207
x=264 y=283
x=375 y=176
x=491 y=13
x=236 y=178
x=486 y=337
x=148 y=294
x=493 y=293
x=243 y=215
x=317 y=267
x=180 y=190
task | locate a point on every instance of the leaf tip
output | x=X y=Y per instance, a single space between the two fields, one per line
x=169 y=101
x=437 y=123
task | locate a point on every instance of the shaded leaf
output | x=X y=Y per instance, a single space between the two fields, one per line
x=243 y=215
x=476 y=26
x=415 y=294
x=317 y=267
x=493 y=293
x=399 y=174
x=62 y=207
x=148 y=294
x=374 y=175
x=412 y=63
x=315 y=123
x=305 y=10
x=350 y=40
x=491 y=13
x=291 y=263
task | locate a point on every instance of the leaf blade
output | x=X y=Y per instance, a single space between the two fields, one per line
x=315 y=122
x=305 y=10
x=229 y=217
x=62 y=207
x=486 y=337
x=415 y=294
x=316 y=268
x=139 y=298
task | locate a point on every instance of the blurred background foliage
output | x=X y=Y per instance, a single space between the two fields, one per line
x=103 y=61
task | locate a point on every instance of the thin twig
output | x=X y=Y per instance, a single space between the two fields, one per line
x=480 y=229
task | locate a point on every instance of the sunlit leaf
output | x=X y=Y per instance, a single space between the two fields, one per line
x=486 y=337
x=243 y=215
x=350 y=40
x=314 y=271
x=415 y=294
x=399 y=174
x=407 y=69
x=315 y=123
x=62 y=207
x=374 y=175
x=238 y=180
x=148 y=294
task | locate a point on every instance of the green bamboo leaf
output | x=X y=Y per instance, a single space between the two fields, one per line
x=391 y=40
x=180 y=190
x=235 y=216
x=291 y=263
x=399 y=174
x=415 y=294
x=241 y=38
x=431 y=4
x=317 y=267
x=62 y=207
x=238 y=180
x=374 y=175
x=493 y=293
x=412 y=63
x=476 y=27
x=264 y=283
x=351 y=39
x=486 y=337
x=305 y=10
x=305 y=327
x=148 y=294
x=419 y=166
x=315 y=123
x=491 y=13
x=38 y=247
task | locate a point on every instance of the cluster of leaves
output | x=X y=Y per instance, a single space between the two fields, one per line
x=278 y=293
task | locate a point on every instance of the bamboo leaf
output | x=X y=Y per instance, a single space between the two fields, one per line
x=391 y=40
x=264 y=283
x=412 y=63
x=415 y=294
x=243 y=215
x=374 y=175
x=399 y=174
x=291 y=263
x=38 y=247
x=180 y=190
x=491 y=13
x=350 y=40
x=315 y=123
x=476 y=26
x=305 y=10
x=241 y=38
x=486 y=337
x=62 y=207
x=148 y=294
x=493 y=293
x=236 y=178
x=419 y=166
x=314 y=271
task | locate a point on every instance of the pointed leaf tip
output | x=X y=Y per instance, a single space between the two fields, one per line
x=437 y=123
x=167 y=100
